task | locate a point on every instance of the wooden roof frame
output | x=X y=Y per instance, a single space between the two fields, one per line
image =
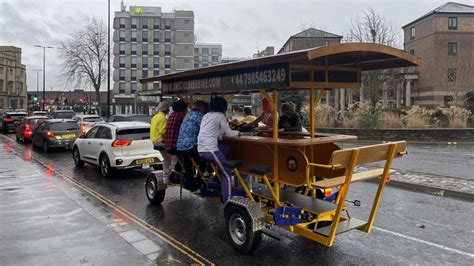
x=329 y=67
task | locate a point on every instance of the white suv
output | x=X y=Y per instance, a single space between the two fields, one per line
x=118 y=145
x=86 y=122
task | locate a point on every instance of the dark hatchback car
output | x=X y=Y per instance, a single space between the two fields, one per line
x=63 y=114
x=56 y=133
x=131 y=118
x=10 y=120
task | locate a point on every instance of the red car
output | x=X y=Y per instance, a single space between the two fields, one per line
x=24 y=131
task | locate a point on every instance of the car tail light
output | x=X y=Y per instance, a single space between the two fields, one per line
x=121 y=143
x=8 y=119
x=27 y=133
x=50 y=134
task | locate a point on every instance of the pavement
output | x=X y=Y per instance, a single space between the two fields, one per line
x=47 y=221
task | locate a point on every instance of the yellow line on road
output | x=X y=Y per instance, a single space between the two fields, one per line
x=193 y=255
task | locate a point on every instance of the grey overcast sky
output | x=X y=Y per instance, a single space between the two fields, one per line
x=239 y=25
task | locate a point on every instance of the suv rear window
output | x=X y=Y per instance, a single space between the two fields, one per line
x=15 y=116
x=134 y=133
x=64 y=114
x=63 y=126
x=35 y=121
x=93 y=119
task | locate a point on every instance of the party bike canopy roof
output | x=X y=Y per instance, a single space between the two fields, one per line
x=329 y=67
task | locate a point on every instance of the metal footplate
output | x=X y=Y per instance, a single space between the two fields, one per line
x=253 y=208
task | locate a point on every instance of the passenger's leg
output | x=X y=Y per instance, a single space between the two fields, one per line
x=166 y=165
x=217 y=158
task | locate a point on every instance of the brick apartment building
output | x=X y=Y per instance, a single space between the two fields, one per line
x=444 y=40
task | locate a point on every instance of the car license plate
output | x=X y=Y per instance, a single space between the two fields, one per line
x=145 y=166
x=68 y=136
x=145 y=161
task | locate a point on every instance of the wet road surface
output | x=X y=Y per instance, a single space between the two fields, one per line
x=410 y=228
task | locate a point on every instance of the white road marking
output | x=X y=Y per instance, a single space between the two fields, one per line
x=425 y=242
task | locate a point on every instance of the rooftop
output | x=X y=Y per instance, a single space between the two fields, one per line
x=448 y=8
x=315 y=33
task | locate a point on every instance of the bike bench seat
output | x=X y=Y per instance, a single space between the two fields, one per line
x=232 y=164
x=357 y=177
x=260 y=169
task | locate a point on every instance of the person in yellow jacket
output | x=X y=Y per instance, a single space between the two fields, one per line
x=157 y=131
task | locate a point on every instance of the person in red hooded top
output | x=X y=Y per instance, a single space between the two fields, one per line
x=266 y=117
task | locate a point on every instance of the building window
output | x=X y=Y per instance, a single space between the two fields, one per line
x=205 y=64
x=134 y=23
x=452 y=73
x=122 y=61
x=122 y=36
x=134 y=74
x=215 y=58
x=122 y=74
x=156 y=23
x=145 y=62
x=196 y=50
x=167 y=36
x=145 y=49
x=196 y=65
x=156 y=49
x=145 y=36
x=133 y=88
x=133 y=62
x=167 y=49
x=196 y=58
x=134 y=48
x=167 y=71
x=205 y=58
x=205 y=50
x=122 y=48
x=186 y=21
x=121 y=87
x=144 y=23
x=133 y=36
x=156 y=62
x=167 y=62
x=448 y=100
x=412 y=33
x=156 y=86
x=215 y=51
x=452 y=23
x=412 y=51
x=144 y=73
x=156 y=36
x=156 y=72
x=452 y=48
x=167 y=24
x=122 y=23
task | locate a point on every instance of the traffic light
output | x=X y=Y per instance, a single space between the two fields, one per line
x=35 y=98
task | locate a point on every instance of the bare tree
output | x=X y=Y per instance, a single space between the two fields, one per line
x=459 y=79
x=85 y=55
x=374 y=28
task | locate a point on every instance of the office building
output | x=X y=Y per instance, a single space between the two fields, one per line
x=309 y=38
x=148 y=42
x=207 y=54
x=12 y=78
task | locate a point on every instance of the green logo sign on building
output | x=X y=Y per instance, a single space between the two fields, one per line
x=138 y=10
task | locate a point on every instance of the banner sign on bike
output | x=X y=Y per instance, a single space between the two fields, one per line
x=243 y=79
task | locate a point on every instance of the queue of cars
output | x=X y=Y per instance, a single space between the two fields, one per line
x=109 y=145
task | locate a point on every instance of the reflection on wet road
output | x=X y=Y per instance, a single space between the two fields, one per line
x=448 y=235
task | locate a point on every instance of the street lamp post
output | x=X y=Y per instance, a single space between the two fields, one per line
x=44 y=70
x=108 y=59
x=37 y=82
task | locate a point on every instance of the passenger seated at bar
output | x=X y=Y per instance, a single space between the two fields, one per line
x=249 y=117
x=186 y=145
x=290 y=120
x=213 y=126
x=171 y=134
x=266 y=117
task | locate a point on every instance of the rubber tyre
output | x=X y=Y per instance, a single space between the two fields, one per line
x=154 y=196
x=239 y=230
x=46 y=148
x=76 y=156
x=105 y=169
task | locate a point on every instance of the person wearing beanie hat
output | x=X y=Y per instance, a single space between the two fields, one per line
x=157 y=132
